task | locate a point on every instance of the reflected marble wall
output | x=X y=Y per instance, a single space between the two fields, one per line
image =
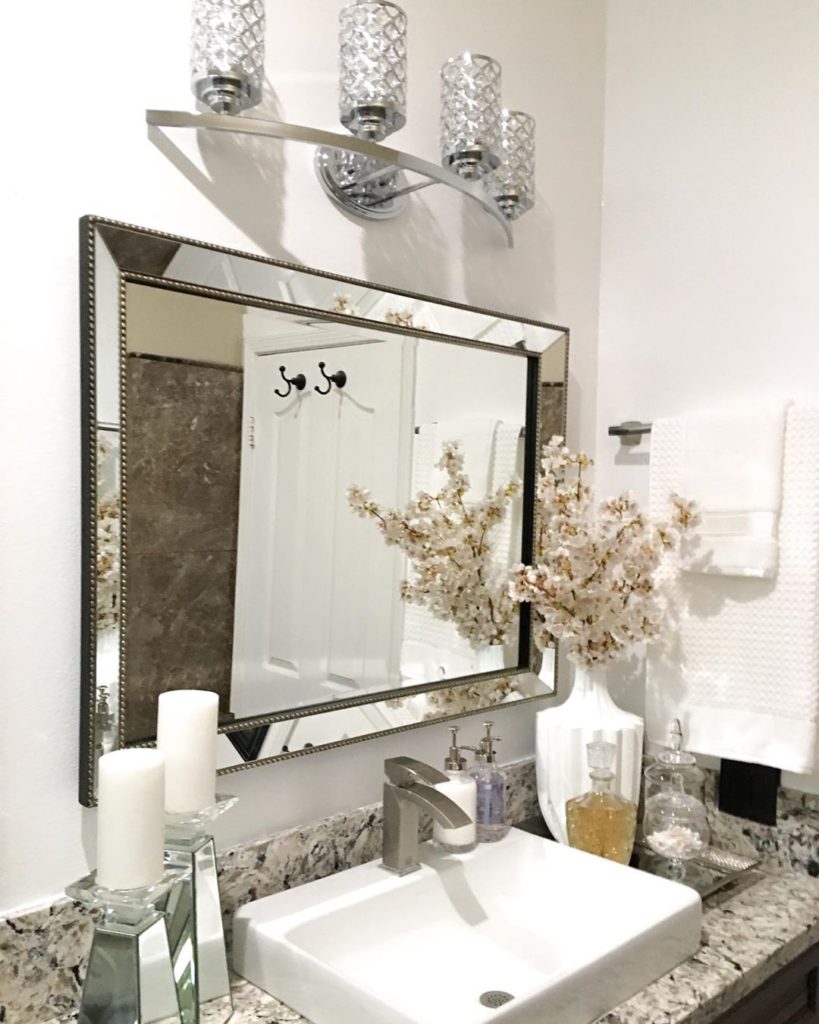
x=552 y=409
x=183 y=459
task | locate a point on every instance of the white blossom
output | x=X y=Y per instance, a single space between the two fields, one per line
x=594 y=585
x=344 y=304
x=448 y=543
x=402 y=318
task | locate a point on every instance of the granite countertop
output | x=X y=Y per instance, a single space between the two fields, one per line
x=751 y=929
x=749 y=932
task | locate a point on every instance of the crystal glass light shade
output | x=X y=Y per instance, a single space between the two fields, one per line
x=470 y=114
x=512 y=184
x=373 y=72
x=227 y=53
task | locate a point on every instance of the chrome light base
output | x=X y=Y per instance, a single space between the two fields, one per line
x=227 y=93
x=373 y=121
x=361 y=185
x=514 y=204
x=472 y=164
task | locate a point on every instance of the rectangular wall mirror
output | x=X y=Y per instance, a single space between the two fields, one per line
x=248 y=426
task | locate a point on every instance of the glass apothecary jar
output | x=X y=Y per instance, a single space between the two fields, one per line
x=675 y=825
x=674 y=761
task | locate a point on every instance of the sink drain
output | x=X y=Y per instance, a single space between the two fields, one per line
x=495 y=999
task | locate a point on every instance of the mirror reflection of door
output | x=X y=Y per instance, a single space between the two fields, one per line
x=249 y=573
x=318 y=613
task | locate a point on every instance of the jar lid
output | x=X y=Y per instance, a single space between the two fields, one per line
x=674 y=754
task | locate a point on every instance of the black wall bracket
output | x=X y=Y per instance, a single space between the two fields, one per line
x=748 y=791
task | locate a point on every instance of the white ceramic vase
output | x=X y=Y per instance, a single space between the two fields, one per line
x=562 y=734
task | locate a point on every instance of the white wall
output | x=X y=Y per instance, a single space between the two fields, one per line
x=75 y=142
x=710 y=258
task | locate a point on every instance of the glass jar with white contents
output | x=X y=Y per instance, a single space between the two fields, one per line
x=675 y=825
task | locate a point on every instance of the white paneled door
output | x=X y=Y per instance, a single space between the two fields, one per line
x=318 y=612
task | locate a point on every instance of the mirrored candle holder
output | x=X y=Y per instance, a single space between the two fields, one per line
x=194 y=916
x=130 y=977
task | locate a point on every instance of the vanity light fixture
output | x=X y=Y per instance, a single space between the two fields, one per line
x=486 y=153
x=372 y=36
x=512 y=185
x=373 y=68
x=470 y=115
x=227 y=53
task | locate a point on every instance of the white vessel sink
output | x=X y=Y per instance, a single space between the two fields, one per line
x=566 y=934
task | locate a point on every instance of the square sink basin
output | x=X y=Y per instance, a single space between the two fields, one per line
x=523 y=931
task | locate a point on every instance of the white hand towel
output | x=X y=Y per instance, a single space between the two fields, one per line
x=741 y=669
x=732 y=468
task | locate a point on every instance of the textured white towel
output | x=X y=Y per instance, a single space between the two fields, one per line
x=507 y=462
x=741 y=670
x=732 y=468
x=424 y=456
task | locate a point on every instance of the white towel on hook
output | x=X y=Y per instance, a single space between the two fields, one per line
x=507 y=462
x=732 y=468
x=741 y=667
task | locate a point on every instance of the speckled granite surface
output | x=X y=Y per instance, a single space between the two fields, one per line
x=791 y=845
x=43 y=955
x=748 y=935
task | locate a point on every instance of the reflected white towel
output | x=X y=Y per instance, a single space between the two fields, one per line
x=507 y=462
x=477 y=438
x=742 y=667
x=428 y=641
x=424 y=456
x=732 y=468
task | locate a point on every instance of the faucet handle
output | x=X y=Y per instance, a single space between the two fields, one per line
x=407 y=771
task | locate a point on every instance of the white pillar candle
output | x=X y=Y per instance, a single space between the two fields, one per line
x=186 y=735
x=130 y=819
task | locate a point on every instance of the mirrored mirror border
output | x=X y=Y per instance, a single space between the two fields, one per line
x=132 y=270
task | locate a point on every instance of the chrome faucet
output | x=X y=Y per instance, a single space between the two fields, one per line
x=410 y=786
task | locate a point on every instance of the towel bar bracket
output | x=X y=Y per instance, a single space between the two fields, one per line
x=630 y=432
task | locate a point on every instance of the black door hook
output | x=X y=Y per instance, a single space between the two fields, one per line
x=298 y=382
x=339 y=378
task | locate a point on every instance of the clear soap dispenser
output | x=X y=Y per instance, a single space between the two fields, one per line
x=602 y=821
x=491 y=783
x=462 y=789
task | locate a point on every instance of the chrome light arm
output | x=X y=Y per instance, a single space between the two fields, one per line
x=372 y=155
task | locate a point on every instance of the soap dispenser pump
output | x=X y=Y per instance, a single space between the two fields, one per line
x=460 y=788
x=491 y=782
